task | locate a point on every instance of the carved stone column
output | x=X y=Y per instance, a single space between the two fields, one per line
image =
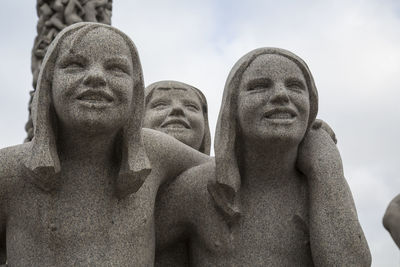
x=55 y=15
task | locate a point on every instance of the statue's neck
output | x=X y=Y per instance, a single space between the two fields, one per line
x=266 y=164
x=92 y=149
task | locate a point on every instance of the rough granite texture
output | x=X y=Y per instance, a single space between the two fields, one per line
x=276 y=194
x=82 y=192
x=85 y=190
x=54 y=16
x=179 y=110
x=391 y=219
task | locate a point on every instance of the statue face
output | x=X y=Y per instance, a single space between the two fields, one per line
x=176 y=112
x=93 y=82
x=273 y=101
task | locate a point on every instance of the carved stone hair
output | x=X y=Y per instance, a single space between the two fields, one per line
x=228 y=180
x=206 y=142
x=43 y=164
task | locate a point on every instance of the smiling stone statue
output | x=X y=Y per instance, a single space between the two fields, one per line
x=179 y=110
x=277 y=182
x=82 y=192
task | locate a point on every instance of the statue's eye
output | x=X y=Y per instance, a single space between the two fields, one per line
x=117 y=68
x=295 y=85
x=192 y=107
x=159 y=105
x=259 y=85
x=73 y=63
x=73 y=66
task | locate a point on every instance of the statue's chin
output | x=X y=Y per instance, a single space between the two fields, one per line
x=276 y=137
x=94 y=124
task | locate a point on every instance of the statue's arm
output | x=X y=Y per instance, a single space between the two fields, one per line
x=186 y=211
x=169 y=156
x=336 y=236
x=7 y=170
x=391 y=219
x=173 y=212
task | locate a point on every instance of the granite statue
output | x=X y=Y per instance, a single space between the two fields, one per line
x=276 y=194
x=82 y=192
x=391 y=219
x=54 y=16
x=180 y=110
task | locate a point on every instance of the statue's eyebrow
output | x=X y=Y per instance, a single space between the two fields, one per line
x=180 y=88
x=164 y=88
x=118 y=59
x=72 y=56
x=258 y=81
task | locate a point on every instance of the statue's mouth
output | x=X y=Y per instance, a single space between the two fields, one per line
x=175 y=124
x=280 y=114
x=95 y=96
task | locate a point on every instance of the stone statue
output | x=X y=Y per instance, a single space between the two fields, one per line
x=82 y=192
x=54 y=16
x=276 y=194
x=180 y=110
x=391 y=219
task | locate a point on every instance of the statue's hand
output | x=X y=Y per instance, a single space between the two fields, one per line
x=318 y=151
x=320 y=124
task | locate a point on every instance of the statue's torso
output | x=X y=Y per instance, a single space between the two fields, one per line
x=272 y=231
x=82 y=224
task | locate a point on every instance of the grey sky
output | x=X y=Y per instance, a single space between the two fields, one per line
x=351 y=47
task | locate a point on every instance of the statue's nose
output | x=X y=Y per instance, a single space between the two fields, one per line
x=94 y=77
x=279 y=94
x=177 y=111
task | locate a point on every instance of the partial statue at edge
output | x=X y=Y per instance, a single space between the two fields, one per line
x=391 y=219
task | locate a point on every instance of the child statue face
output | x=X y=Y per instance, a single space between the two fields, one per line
x=93 y=81
x=176 y=112
x=273 y=101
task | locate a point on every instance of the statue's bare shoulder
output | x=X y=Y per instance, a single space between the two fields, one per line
x=11 y=161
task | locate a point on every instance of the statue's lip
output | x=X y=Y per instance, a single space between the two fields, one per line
x=175 y=121
x=280 y=113
x=95 y=95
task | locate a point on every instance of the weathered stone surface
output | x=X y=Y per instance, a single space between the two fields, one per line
x=180 y=110
x=82 y=192
x=54 y=16
x=277 y=184
x=391 y=219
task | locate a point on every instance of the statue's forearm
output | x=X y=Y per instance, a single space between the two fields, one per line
x=335 y=233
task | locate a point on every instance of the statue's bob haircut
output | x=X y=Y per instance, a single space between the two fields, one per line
x=228 y=181
x=148 y=92
x=43 y=164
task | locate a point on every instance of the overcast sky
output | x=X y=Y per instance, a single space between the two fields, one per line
x=351 y=46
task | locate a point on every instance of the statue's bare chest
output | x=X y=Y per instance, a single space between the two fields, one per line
x=274 y=229
x=78 y=226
